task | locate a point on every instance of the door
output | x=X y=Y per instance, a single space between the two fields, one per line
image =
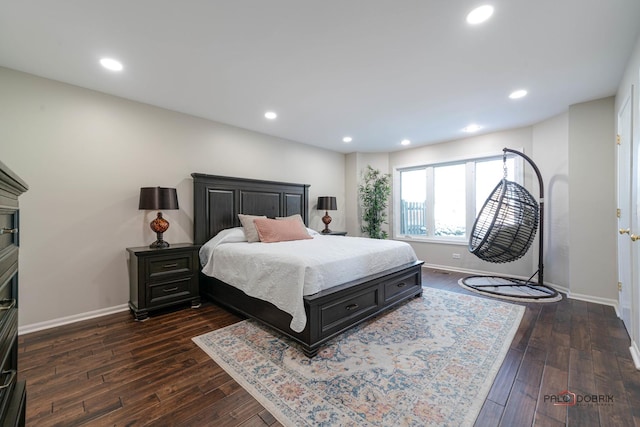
x=626 y=214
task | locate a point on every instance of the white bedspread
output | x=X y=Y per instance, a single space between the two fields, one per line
x=283 y=272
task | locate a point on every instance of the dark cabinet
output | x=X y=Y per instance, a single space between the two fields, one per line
x=12 y=391
x=162 y=277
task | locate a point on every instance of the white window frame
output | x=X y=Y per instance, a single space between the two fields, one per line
x=470 y=191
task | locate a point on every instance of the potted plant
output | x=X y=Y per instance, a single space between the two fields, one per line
x=374 y=195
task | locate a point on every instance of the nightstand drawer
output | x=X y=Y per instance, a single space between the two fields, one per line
x=163 y=266
x=167 y=291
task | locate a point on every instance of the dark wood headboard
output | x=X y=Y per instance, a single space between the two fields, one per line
x=217 y=201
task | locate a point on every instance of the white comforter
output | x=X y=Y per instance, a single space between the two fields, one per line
x=283 y=272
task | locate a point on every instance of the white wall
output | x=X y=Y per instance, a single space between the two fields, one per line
x=352 y=205
x=551 y=155
x=592 y=237
x=356 y=165
x=629 y=79
x=85 y=155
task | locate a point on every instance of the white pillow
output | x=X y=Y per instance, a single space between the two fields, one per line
x=249 y=227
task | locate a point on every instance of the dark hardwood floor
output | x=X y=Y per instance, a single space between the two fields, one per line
x=114 y=371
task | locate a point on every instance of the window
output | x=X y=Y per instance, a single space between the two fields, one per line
x=413 y=201
x=449 y=200
x=441 y=201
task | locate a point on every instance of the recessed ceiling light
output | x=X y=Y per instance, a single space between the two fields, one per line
x=518 y=94
x=480 y=14
x=405 y=142
x=347 y=139
x=270 y=115
x=472 y=128
x=111 y=64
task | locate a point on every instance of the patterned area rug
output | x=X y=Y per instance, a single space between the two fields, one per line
x=430 y=361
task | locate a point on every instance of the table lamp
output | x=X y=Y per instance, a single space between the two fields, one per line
x=327 y=203
x=156 y=198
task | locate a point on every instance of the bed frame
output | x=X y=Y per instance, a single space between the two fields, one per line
x=217 y=202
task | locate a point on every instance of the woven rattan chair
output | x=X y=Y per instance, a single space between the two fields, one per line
x=506 y=224
x=503 y=232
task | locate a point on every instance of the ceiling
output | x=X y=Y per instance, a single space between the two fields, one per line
x=378 y=71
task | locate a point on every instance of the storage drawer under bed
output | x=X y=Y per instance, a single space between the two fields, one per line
x=400 y=286
x=338 y=313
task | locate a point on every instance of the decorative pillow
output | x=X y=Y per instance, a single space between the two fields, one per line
x=280 y=230
x=249 y=228
x=299 y=218
x=296 y=217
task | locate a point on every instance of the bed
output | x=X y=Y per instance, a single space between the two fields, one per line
x=217 y=202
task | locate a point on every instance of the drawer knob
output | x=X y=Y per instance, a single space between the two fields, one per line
x=175 y=264
x=351 y=306
x=8 y=230
x=402 y=285
x=175 y=288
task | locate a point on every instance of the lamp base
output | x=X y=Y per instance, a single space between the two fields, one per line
x=159 y=225
x=159 y=244
x=327 y=220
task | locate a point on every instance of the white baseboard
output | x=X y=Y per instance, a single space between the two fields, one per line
x=71 y=319
x=597 y=300
x=449 y=268
x=635 y=354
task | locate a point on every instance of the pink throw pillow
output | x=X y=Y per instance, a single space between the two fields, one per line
x=280 y=230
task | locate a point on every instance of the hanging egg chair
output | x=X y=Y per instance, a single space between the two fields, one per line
x=503 y=232
x=506 y=224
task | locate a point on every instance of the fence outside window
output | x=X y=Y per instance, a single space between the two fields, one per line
x=413 y=220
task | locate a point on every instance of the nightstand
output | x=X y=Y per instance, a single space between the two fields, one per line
x=335 y=233
x=160 y=278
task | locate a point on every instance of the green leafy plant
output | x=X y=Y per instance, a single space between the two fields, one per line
x=374 y=195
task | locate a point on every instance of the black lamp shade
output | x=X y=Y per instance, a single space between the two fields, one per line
x=158 y=198
x=327 y=203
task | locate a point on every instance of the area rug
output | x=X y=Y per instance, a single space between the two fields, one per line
x=429 y=362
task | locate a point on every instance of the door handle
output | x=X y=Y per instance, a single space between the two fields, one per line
x=624 y=231
x=634 y=237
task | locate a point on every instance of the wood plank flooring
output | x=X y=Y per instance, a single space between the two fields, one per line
x=114 y=371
